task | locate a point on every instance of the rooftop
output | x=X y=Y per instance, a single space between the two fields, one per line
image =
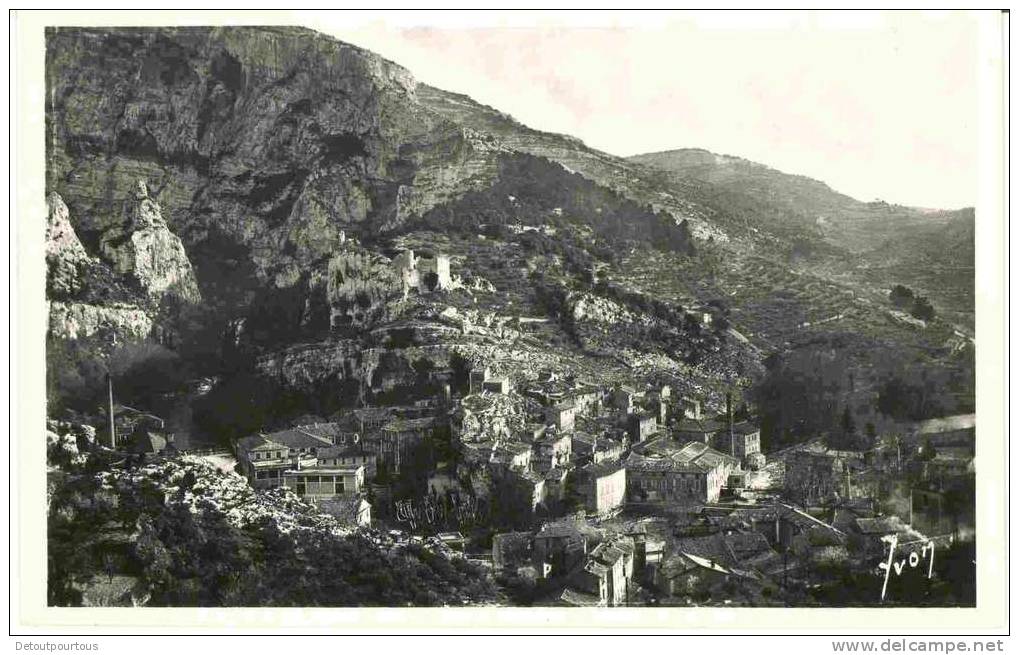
x=291 y=438
x=745 y=427
x=698 y=426
x=602 y=469
x=343 y=451
x=341 y=469
x=407 y=424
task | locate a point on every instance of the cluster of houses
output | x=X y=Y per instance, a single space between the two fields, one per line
x=575 y=441
x=332 y=464
x=550 y=446
x=689 y=554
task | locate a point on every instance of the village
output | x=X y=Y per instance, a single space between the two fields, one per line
x=578 y=493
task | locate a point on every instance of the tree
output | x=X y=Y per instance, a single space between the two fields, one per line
x=922 y=309
x=901 y=296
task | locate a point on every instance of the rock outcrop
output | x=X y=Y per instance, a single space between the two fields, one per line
x=76 y=320
x=360 y=285
x=67 y=262
x=145 y=249
x=86 y=298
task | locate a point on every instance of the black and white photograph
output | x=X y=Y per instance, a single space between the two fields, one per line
x=518 y=311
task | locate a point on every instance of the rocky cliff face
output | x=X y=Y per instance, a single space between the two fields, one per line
x=66 y=260
x=360 y=284
x=270 y=141
x=86 y=297
x=147 y=251
x=76 y=320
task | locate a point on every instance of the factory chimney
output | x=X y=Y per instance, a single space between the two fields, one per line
x=728 y=415
x=109 y=412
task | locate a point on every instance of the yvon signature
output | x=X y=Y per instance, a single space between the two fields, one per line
x=914 y=559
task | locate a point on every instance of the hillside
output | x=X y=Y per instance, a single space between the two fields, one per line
x=885 y=244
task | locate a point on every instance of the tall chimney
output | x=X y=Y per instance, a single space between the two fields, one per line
x=728 y=414
x=109 y=412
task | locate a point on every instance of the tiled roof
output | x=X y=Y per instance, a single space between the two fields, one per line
x=602 y=469
x=576 y=598
x=745 y=427
x=343 y=451
x=558 y=529
x=711 y=547
x=883 y=525
x=408 y=424
x=700 y=426
x=296 y=438
x=607 y=554
x=258 y=442
x=330 y=431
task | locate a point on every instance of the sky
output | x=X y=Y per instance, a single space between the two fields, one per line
x=878 y=106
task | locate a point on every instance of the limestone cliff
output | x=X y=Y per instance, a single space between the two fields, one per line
x=145 y=249
x=75 y=320
x=66 y=260
x=86 y=297
x=360 y=284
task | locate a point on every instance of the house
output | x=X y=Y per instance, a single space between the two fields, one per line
x=129 y=420
x=335 y=432
x=325 y=482
x=607 y=572
x=552 y=448
x=683 y=574
x=150 y=442
x=497 y=385
x=647 y=550
x=662 y=472
x=691 y=407
x=604 y=487
x=368 y=419
x=746 y=554
x=511 y=550
x=555 y=483
x=511 y=455
x=815 y=476
x=874 y=530
x=351 y=511
x=586 y=398
x=623 y=398
x=560 y=544
x=562 y=415
x=587 y=447
x=642 y=426
x=743 y=442
x=477 y=378
x=528 y=489
x=401 y=441
x=354 y=454
x=570 y=597
x=263 y=458
x=697 y=429
x=454 y=541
